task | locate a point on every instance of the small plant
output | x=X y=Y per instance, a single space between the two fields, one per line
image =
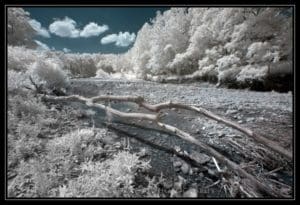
x=111 y=178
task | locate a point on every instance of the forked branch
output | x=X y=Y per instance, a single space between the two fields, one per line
x=180 y=133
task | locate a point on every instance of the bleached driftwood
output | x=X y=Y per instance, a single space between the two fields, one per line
x=167 y=105
x=180 y=133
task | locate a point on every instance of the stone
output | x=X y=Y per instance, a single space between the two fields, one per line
x=201 y=158
x=201 y=175
x=191 y=193
x=108 y=140
x=177 y=148
x=212 y=172
x=195 y=169
x=185 y=168
x=250 y=119
x=177 y=164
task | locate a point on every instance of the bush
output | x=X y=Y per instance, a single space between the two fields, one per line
x=49 y=72
x=111 y=178
x=17 y=81
x=20 y=58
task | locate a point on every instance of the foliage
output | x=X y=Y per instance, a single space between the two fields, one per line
x=111 y=178
x=213 y=42
x=19 y=31
x=50 y=72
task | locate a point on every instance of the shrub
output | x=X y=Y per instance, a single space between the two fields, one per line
x=17 y=81
x=51 y=73
x=111 y=178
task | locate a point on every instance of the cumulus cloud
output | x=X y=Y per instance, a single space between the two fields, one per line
x=121 y=39
x=42 y=46
x=39 y=29
x=66 y=50
x=65 y=28
x=93 y=29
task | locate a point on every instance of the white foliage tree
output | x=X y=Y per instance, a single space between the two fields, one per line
x=214 y=43
x=19 y=31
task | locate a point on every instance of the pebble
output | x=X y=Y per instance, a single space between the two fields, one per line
x=250 y=119
x=177 y=148
x=185 y=168
x=240 y=121
x=201 y=175
x=108 y=140
x=211 y=172
x=199 y=157
x=177 y=164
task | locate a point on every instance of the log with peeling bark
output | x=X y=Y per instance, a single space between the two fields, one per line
x=180 y=133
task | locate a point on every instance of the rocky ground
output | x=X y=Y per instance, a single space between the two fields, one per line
x=267 y=113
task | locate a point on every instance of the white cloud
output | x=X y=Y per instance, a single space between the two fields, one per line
x=42 y=46
x=66 y=50
x=65 y=28
x=121 y=39
x=39 y=29
x=109 y=39
x=93 y=29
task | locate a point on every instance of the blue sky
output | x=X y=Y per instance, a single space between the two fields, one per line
x=90 y=29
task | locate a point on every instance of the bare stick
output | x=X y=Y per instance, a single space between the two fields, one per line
x=88 y=102
x=274 y=170
x=216 y=163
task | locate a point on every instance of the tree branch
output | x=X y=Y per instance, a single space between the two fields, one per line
x=167 y=105
x=185 y=136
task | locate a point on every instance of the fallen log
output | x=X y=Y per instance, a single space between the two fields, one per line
x=180 y=133
x=167 y=105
